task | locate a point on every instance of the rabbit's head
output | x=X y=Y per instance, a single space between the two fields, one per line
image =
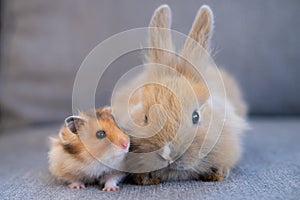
x=171 y=108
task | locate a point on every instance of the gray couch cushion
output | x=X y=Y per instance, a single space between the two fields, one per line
x=269 y=169
x=44 y=42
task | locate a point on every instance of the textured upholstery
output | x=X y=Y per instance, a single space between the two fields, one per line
x=269 y=169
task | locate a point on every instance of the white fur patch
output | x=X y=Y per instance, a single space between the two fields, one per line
x=136 y=107
x=95 y=169
x=166 y=154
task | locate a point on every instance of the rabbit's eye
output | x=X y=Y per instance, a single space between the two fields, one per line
x=146 y=119
x=195 y=117
x=100 y=134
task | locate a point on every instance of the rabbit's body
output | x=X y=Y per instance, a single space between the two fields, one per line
x=189 y=142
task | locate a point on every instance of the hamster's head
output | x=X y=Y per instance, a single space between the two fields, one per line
x=95 y=135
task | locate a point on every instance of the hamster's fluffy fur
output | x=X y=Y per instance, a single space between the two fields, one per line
x=77 y=156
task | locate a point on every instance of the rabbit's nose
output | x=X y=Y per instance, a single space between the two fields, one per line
x=170 y=162
x=166 y=153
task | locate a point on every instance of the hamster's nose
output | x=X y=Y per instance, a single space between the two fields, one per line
x=125 y=144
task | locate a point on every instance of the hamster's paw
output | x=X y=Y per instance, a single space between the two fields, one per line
x=215 y=174
x=110 y=188
x=77 y=185
x=112 y=183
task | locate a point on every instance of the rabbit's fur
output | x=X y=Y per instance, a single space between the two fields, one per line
x=180 y=91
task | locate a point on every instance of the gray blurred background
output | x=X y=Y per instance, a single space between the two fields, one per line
x=44 y=42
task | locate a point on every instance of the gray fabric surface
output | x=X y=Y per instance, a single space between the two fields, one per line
x=269 y=169
x=44 y=43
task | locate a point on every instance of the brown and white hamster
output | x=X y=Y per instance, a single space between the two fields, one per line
x=89 y=147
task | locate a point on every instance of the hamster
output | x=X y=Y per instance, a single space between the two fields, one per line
x=89 y=147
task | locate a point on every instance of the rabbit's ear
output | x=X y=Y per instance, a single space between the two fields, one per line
x=201 y=30
x=160 y=41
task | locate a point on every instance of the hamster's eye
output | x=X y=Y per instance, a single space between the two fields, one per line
x=100 y=134
x=146 y=119
x=195 y=117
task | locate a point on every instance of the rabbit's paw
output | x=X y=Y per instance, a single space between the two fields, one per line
x=145 y=179
x=215 y=174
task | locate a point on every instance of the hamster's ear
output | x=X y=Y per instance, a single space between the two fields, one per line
x=107 y=109
x=73 y=123
x=160 y=41
x=201 y=30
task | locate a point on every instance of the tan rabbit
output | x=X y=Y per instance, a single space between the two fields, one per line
x=181 y=129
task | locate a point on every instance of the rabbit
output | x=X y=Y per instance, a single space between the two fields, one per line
x=175 y=115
